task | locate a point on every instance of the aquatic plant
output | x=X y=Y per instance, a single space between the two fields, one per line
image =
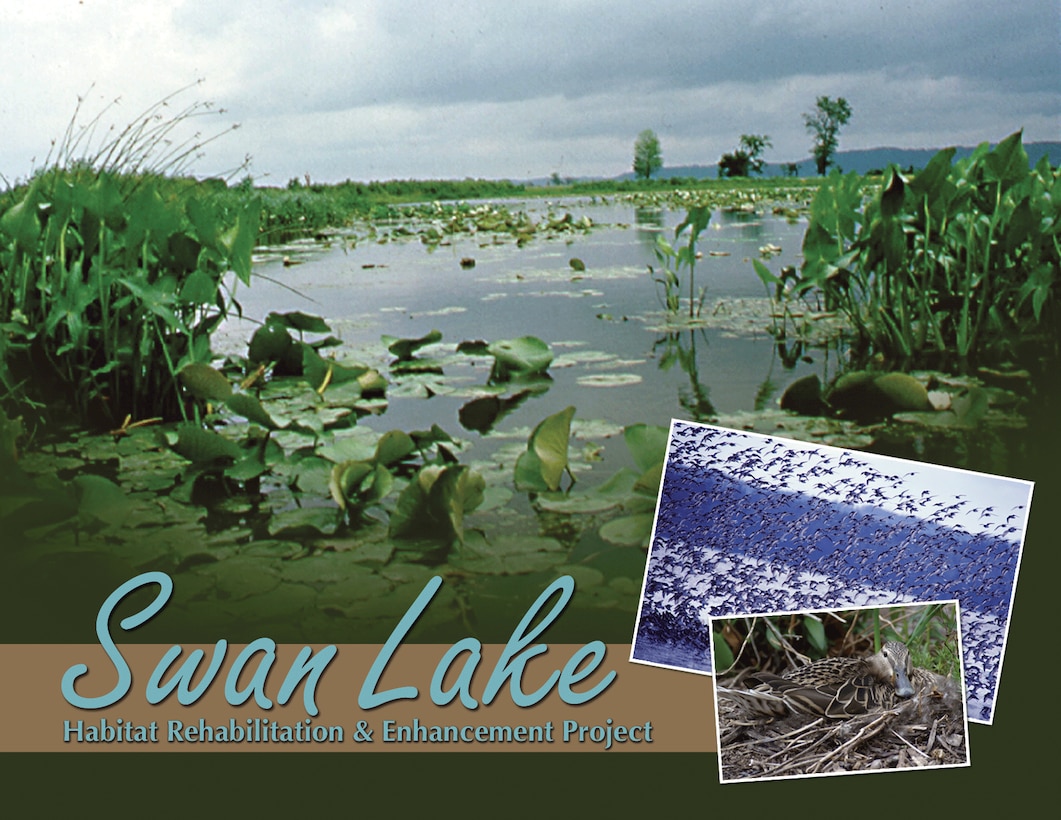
x=675 y=260
x=954 y=266
x=112 y=274
x=521 y=359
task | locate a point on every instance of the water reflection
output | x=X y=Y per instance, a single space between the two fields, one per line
x=680 y=348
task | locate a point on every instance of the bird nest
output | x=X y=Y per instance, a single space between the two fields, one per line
x=928 y=730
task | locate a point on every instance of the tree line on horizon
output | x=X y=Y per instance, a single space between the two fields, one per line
x=823 y=122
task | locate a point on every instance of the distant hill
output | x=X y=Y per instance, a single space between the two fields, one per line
x=862 y=161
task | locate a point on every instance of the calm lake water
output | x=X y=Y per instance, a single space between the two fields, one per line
x=603 y=324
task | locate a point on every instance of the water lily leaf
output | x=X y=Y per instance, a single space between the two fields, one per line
x=206 y=383
x=372 y=381
x=204 y=446
x=325 y=567
x=361 y=585
x=613 y=493
x=270 y=343
x=541 y=467
x=302 y=322
x=304 y=521
x=242 y=576
x=628 y=530
x=280 y=606
x=246 y=405
x=510 y=555
x=903 y=392
x=971 y=406
x=647 y=443
x=321 y=372
x=266 y=548
x=524 y=356
x=473 y=347
x=100 y=500
x=393 y=446
x=356 y=444
x=359 y=483
x=585 y=577
x=609 y=380
x=482 y=413
x=405 y=348
x=434 y=503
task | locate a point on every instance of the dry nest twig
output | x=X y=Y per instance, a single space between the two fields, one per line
x=927 y=730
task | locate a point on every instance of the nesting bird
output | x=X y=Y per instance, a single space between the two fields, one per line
x=838 y=687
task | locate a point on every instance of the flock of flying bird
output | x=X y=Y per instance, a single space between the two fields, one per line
x=751 y=524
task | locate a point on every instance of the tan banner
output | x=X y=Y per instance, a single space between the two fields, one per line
x=263 y=700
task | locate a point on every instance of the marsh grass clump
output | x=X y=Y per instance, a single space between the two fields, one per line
x=952 y=267
x=771 y=642
x=112 y=269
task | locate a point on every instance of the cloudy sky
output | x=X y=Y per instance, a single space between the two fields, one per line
x=383 y=89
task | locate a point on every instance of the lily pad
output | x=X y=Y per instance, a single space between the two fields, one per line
x=405 y=348
x=302 y=322
x=611 y=494
x=360 y=585
x=524 y=356
x=609 y=380
x=100 y=500
x=509 y=555
x=434 y=503
x=304 y=521
x=204 y=446
x=204 y=382
x=246 y=405
x=241 y=577
x=628 y=530
x=542 y=465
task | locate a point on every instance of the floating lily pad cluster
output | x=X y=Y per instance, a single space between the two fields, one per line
x=438 y=223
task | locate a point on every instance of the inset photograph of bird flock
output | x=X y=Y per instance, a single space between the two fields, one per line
x=752 y=524
x=821 y=693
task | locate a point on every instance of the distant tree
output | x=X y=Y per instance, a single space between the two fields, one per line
x=791 y=169
x=754 y=145
x=747 y=159
x=824 y=122
x=647 y=155
x=734 y=164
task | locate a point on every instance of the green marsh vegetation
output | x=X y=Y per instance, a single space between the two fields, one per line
x=250 y=475
x=112 y=273
x=954 y=267
x=128 y=441
x=777 y=642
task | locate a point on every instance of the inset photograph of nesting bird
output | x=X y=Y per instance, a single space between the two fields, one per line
x=755 y=523
x=839 y=692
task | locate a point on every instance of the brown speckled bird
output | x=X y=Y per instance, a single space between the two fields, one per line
x=837 y=687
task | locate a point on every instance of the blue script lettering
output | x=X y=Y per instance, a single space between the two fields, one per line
x=510 y=666
x=307 y=668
